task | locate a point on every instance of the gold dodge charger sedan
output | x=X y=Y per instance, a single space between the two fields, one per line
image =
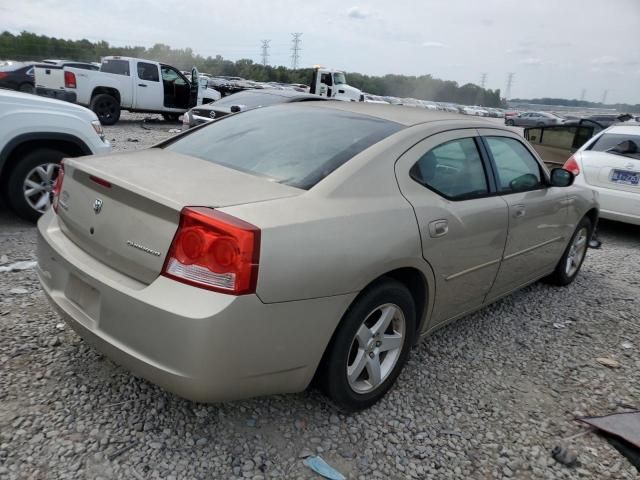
x=313 y=240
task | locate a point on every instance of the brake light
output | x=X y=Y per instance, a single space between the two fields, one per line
x=69 y=80
x=57 y=187
x=572 y=165
x=215 y=251
x=3 y=75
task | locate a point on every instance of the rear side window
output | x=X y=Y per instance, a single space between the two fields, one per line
x=119 y=67
x=148 y=72
x=517 y=169
x=610 y=140
x=453 y=170
x=294 y=144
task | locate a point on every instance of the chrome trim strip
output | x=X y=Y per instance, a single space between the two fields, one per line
x=472 y=269
x=527 y=250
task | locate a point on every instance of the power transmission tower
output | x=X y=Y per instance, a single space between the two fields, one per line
x=510 y=76
x=265 y=52
x=295 y=50
x=483 y=80
x=604 y=96
x=583 y=95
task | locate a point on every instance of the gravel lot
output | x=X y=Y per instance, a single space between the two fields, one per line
x=486 y=397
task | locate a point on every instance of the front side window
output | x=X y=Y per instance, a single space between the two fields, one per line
x=339 y=78
x=171 y=75
x=148 y=72
x=453 y=170
x=517 y=169
x=294 y=144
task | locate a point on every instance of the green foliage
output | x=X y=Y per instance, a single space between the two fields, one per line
x=31 y=47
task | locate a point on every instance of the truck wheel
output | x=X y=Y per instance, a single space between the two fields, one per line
x=106 y=108
x=171 y=117
x=26 y=87
x=31 y=181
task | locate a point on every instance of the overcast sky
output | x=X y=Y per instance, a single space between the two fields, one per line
x=555 y=48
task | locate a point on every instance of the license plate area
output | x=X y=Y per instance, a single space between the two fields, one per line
x=84 y=296
x=625 y=177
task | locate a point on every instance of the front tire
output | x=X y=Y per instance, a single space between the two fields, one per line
x=569 y=265
x=370 y=346
x=26 y=88
x=510 y=123
x=106 y=107
x=171 y=117
x=31 y=182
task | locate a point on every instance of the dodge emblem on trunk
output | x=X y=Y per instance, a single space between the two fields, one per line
x=97 y=206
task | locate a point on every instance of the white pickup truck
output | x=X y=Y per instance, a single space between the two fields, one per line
x=125 y=83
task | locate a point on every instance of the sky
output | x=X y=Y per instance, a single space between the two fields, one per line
x=554 y=48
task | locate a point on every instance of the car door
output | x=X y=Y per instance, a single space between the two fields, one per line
x=538 y=223
x=462 y=224
x=148 y=87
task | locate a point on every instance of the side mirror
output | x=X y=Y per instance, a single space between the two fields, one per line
x=561 y=177
x=235 y=108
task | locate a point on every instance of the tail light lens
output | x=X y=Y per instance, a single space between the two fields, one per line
x=3 y=75
x=215 y=251
x=57 y=187
x=69 y=80
x=572 y=165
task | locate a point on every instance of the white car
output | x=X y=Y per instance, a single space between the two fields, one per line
x=611 y=167
x=35 y=135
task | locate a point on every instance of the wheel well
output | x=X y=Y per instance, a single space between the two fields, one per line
x=69 y=148
x=109 y=91
x=593 y=216
x=415 y=282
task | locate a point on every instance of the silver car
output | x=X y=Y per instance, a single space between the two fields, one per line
x=309 y=240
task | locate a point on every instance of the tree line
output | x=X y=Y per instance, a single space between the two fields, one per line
x=28 y=46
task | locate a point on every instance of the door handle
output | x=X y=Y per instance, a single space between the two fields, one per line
x=519 y=211
x=438 y=228
x=142 y=85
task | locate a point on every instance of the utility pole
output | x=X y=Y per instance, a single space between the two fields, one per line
x=583 y=95
x=604 y=96
x=295 y=49
x=510 y=76
x=483 y=80
x=265 y=52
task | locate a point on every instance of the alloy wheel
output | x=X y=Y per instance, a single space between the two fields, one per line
x=577 y=251
x=38 y=185
x=376 y=348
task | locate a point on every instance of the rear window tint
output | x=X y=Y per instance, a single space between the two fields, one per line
x=610 y=140
x=119 y=67
x=294 y=144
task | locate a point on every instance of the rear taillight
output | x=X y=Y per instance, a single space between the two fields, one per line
x=3 y=75
x=215 y=251
x=57 y=187
x=572 y=165
x=69 y=80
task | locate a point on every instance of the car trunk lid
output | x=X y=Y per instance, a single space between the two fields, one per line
x=124 y=209
x=609 y=170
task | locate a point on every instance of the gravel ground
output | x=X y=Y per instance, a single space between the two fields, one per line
x=486 y=397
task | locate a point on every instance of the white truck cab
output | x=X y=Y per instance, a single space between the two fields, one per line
x=331 y=83
x=125 y=83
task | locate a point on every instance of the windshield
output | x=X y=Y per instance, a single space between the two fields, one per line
x=295 y=144
x=339 y=78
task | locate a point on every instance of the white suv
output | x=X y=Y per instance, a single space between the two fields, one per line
x=35 y=135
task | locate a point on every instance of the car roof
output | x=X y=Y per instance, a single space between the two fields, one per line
x=407 y=116
x=625 y=129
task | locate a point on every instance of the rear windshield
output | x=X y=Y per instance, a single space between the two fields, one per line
x=294 y=144
x=119 y=67
x=250 y=99
x=610 y=140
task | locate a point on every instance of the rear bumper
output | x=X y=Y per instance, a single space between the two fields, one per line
x=618 y=205
x=201 y=345
x=59 y=94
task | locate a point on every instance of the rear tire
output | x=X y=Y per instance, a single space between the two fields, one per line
x=171 y=117
x=569 y=265
x=36 y=172
x=26 y=88
x=106 y=107
x=510 y=123
x=370 y=346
